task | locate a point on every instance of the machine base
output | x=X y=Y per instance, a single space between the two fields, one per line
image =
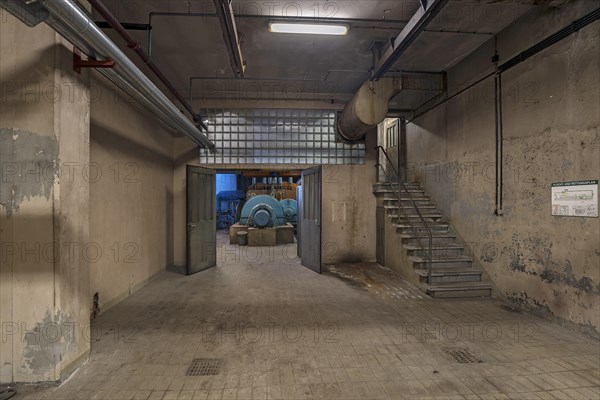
x=263 y=237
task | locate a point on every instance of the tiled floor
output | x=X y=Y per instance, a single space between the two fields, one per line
x=355 y=332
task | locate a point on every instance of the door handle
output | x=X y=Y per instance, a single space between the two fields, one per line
x=190 y=226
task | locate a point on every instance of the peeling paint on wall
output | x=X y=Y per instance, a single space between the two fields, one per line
x=47 y=342
x=545 y=264
x=28 y=167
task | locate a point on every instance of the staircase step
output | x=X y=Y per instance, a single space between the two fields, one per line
x=407 y=184
x=438 y=250
x=439 y=247
x=413 y=217
x=460 y=289
x=412 y=198
x=419 y=227
x=411 y=193
x=420 y=262
x=409 y=205
x=422 y=207
x=437 y=239
x=450 y=275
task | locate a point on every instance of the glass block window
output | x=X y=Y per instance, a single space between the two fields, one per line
x=251 y=136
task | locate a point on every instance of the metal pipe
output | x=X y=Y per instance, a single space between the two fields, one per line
x=109 y=74
x=127 y=25
x=74 y=24
x=136 y=46
x=230 y=36
x=409 y=34
x=499 y=147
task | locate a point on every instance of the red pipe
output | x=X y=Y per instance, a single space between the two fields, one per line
x=137 y=47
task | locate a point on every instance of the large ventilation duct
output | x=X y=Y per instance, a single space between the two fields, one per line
x=369 y=106
x=71 y=22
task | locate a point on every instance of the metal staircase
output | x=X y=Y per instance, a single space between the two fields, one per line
x=440 y=261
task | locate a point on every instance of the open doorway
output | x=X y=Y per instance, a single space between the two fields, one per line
x=260 y=208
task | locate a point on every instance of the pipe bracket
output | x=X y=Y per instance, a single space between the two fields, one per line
x=79 y=63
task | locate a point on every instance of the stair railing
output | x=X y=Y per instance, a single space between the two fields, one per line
x=414 y=204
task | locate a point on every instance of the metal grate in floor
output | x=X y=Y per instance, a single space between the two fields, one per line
x=204 y=367
x=462 y=355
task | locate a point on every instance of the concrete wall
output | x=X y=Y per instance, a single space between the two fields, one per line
x=349 y=209
x=131 y=194
x=547 y=264
x=44 y=143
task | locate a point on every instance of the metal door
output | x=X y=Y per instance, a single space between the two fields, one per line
x=299 y=218
x=201 y=219
x=310 y=225
x=380 y=236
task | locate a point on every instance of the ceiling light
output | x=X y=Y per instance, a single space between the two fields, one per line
x=310 y=29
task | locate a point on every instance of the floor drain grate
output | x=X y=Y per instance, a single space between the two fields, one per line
x=204 y=367
x=462 y=355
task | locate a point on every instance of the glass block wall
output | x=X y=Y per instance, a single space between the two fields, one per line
x=250 y=136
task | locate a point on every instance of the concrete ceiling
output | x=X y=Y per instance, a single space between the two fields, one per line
x=304 y=66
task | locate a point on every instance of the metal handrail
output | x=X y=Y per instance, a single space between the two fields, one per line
x=414 y=204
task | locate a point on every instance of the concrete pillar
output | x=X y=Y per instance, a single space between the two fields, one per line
x=44 y=212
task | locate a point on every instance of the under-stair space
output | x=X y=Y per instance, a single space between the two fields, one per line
x=452 y=272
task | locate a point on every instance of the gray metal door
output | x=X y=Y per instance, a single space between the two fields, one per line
x=299 y=223
x=310 y=225
x=380 y=236
x=201 y=219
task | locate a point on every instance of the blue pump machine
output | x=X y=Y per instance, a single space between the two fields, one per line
x=263 y=212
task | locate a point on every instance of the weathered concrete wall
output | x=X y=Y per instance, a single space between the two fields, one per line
x=44 y=131
x=131 y=194
x=547 y=264
x=349 y=209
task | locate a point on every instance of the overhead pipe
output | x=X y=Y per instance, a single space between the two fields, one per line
x=75 y=33
x=370 y=105
x=68 y=32
x=137 y=47
x=418 y=22
x=230 y=36
x=75 y=25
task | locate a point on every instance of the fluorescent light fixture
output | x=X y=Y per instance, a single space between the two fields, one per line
x=309 y=29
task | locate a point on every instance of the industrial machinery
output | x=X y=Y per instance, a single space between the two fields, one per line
x=263 y=211
x=229 y=204
x=275 y=187
x=290 y=211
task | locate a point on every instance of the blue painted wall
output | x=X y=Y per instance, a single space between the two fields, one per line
x=226 y=182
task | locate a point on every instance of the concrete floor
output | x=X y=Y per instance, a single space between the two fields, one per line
x=355 y=332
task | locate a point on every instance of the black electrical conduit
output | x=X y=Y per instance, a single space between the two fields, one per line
x=568 y=30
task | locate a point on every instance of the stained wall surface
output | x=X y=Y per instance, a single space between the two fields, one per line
x=551 y=119
x=44 y=143
x=131 y=195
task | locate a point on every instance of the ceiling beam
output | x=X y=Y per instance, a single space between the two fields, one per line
x=426 y=12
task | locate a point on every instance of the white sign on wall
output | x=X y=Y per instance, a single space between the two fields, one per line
x=575 y=199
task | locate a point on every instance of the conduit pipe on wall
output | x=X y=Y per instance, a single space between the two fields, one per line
x=369 y=106
x=73 y=24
